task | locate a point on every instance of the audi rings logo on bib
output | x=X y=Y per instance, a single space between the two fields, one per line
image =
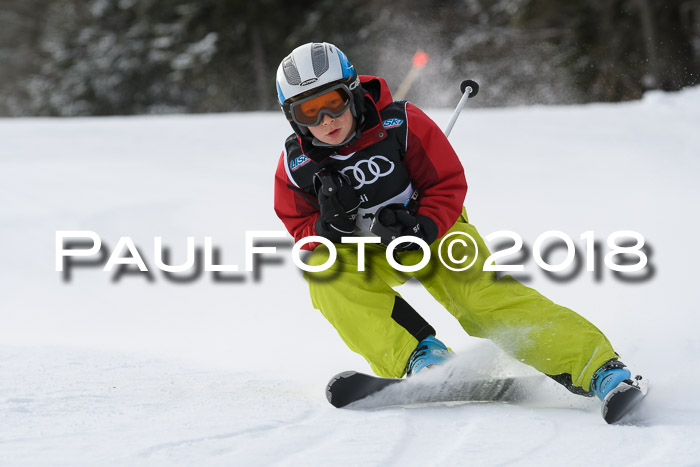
x=368 y=171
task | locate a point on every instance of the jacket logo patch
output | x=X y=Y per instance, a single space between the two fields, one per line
x=298 y=162
x=392 y=122
x=368 y=171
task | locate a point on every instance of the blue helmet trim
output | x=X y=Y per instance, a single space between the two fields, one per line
x=280 y=96
x=348 y=69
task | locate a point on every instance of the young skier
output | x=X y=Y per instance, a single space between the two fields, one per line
x=360 y=164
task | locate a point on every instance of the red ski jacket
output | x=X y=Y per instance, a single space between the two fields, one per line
x=399 y=150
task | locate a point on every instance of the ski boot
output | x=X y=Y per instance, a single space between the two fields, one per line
x=614 y=386
x=430 y=352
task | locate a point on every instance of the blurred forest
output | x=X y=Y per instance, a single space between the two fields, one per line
x=120 y=57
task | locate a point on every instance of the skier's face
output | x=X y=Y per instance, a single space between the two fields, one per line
x=334 y=131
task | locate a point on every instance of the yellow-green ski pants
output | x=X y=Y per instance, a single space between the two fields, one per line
x=374 y=321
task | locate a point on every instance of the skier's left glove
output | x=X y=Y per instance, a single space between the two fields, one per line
x=395 y=220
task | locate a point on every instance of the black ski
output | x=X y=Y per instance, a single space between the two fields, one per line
x=624 y=399
x=351 y=387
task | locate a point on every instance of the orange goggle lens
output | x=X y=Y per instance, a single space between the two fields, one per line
x=310 y=112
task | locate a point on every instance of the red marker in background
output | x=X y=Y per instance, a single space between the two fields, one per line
x=420 y=59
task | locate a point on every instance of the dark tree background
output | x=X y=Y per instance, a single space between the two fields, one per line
x=119 y=57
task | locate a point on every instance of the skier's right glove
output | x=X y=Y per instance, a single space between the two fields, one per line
x=338 y=202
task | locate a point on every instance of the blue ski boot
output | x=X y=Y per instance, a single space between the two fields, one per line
x=613 y=384
x=430 y=352
x=608 y=377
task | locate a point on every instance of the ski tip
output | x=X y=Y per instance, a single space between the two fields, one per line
x=344 y=374
x=334 y=401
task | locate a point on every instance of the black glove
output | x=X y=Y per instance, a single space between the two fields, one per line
x=338 y=202
x=395 y=220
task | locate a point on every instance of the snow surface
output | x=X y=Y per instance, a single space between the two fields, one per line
x=101 y=370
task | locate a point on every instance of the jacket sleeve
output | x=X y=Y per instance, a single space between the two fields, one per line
x=435 y=170
x=294 y=209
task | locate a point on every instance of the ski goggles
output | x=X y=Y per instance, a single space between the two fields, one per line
x=310 y=111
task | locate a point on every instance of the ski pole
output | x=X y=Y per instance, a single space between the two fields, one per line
x=469 y=89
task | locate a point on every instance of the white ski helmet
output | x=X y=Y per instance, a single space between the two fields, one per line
x=311 y=70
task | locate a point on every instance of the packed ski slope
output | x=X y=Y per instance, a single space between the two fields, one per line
x=99 y=368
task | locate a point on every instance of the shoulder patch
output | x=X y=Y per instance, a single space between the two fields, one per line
x=298 y=162
x=392 y=122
